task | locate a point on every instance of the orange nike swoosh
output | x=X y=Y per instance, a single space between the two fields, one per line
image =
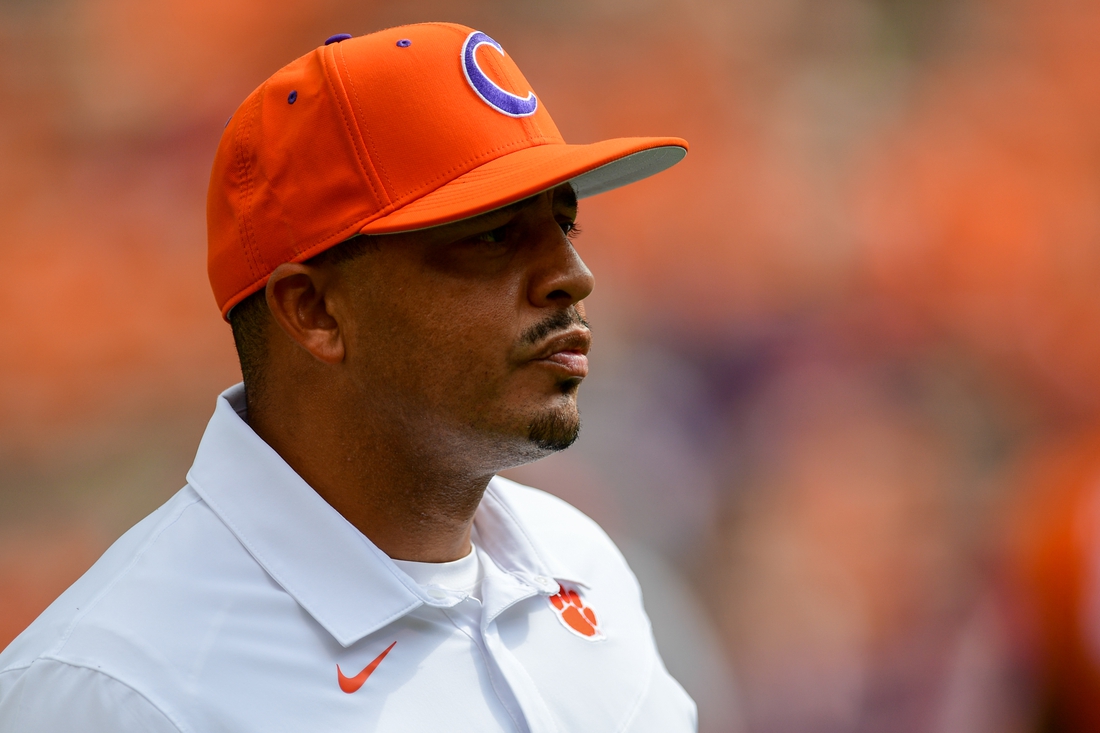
x=351 y=684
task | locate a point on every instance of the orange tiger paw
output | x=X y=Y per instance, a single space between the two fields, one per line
x=575 y=615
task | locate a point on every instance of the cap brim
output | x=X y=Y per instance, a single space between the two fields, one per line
x=591 y=169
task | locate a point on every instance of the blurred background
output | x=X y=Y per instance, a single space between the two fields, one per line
x=844 y=416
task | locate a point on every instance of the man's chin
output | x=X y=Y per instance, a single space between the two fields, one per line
x=555 y=430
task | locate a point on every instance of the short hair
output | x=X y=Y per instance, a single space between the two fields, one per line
x=250 y=319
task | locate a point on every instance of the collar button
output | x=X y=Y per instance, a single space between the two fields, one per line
x=546 y=585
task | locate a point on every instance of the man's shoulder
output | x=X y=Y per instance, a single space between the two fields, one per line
x=144 y=606
x=51 y=695
x=108 y=575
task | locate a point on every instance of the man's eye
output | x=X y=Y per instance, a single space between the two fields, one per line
x=569 y=228
x=494 y=236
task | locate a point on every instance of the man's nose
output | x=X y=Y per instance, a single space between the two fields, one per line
x=561 y=278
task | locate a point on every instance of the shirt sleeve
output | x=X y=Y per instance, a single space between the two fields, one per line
x=51 y=696
x=665 y=708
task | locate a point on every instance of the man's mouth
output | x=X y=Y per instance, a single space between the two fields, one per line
x=567 y=351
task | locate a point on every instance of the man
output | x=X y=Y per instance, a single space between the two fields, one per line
x=389 y=232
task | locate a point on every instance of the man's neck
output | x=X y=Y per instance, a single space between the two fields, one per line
x=394 y=487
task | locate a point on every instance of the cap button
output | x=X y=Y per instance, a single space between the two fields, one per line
x=337 y=38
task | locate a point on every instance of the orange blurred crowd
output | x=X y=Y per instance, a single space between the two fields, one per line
x=844 y=416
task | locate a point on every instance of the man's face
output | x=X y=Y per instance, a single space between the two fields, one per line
x=473 y=333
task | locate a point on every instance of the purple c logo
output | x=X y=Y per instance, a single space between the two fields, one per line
x=504 y=102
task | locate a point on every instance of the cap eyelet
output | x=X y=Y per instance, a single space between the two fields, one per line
x=292 y=97
x=404 y=43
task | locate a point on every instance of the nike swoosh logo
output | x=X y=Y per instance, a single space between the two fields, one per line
x=351 y=684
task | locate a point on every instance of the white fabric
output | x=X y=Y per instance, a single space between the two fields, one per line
x=461 y=576
x=232 y=607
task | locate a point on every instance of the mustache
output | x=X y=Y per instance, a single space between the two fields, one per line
x=559 y=321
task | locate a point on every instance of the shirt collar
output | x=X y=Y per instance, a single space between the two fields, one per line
x=512 y=546
x=348 y=585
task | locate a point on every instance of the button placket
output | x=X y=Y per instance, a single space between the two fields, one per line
x=468 y=624
x=502 y=591
x=527 y=695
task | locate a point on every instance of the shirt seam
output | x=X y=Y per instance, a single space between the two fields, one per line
x=118 y=578
x=20 y=666
x=171 y=719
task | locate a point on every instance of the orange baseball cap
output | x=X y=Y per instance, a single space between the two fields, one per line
x=399 y=130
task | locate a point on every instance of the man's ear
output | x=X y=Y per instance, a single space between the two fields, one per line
x=299 y=297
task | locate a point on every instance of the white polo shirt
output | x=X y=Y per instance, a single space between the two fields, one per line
x=247 y=603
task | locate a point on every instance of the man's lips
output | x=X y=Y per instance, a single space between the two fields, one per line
x=573 y=362
x=567 y=351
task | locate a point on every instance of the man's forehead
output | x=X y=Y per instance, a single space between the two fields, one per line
x=564 y=196
x=564 y=200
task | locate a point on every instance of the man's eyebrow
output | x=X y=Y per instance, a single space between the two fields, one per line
x=568 y=197
x=515 y=206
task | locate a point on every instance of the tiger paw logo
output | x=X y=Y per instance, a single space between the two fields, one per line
x=575 y=615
